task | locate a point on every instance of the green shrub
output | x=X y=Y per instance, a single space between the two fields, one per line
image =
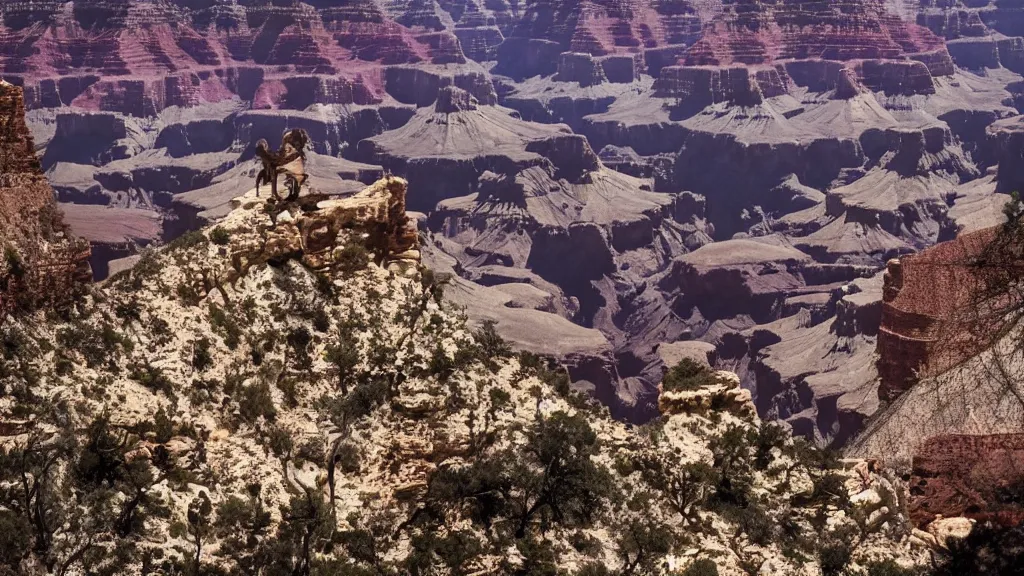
x=643 y=542
x=188 y=294
x=688 y=374
x=354 y=256
x=226 y=325
x=491 y=346
x=585 y=544
x=220 y=236
x=362 y=400
x=834 y=556
x=153 y=378
x=830 y=488
x=280 y=441
x=163 y=426
x=499 y=399
x=256 y=400
x=148 y=266
x=299 y=340
x=17 y=540
x=702 y=567
x=98 y=345
x=344 y=356
x=769 y=437
x=15 y=263
x=349 y=458
x=732 y=465
x=187 y=240
x=757 y=524
x=129 y=311
x=201 y=357
x=312 y=450
x=455 y=551
x=321 y=323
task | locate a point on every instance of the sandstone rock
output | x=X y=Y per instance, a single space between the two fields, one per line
x=671 y=353
x=581 y=68
x=698 y=87
x=868 y=498
x=911 y=321
x=942 y=529
x=315 y=236
x=725 y=395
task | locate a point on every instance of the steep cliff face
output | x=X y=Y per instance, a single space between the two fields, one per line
x=949 y=369
x=42 y=263
x=915 y=322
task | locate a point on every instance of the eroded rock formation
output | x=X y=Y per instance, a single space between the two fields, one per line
x=968 y=476
x=42 y=264
x=911 y=343
x=570 y=160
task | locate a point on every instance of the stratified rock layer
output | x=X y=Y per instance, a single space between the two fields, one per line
x=914 y=314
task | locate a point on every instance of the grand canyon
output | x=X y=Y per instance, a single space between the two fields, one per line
x=807 y=202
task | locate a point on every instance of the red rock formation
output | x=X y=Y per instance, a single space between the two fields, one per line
x=701 y=86
x=41 y=264
x=921 y=293
x=974 y=476
x=141 y=57
x=760 y=32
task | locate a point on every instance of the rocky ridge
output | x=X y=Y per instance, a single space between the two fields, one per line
x=261 y=394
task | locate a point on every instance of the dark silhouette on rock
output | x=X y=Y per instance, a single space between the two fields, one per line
x=289 y=159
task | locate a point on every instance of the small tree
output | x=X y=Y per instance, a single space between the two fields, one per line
x=240 y=525
x=344 y=355
x=642 y=543
x=199 y=524
x=687 y=487
x=556 y=477
x=31 y=481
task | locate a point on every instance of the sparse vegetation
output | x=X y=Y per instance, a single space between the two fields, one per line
x=688 y=374
x=400 y=440
x=201 y=357
x=354 y=256
x=220 y=236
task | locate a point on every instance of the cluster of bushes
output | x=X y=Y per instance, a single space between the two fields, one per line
x=83 y=504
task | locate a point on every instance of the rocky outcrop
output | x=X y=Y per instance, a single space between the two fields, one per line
x=1007 y=137
x=42 y=264
x=421 y=87
x=724 y=394
x=698 y=86
x=988 y=52
x=913 y=317
x=317 y=230
x=968 y=476
x=580 y=68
